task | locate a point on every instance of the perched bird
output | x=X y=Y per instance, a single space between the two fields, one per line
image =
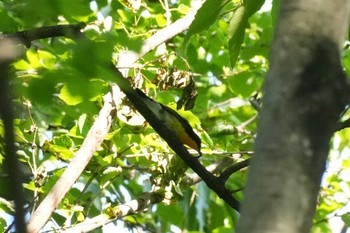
x=177 y=123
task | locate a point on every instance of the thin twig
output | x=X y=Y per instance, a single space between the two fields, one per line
x=128 y=58
x=34 y=131
x=193 y=178
x=232 y=169
x=241 y=127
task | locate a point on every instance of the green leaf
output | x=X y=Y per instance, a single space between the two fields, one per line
x=22 y=65
x=7 y=23
x=47 y=60
x=183 y=9
x=346 y=219
x=61 y=146
x=109 y=173
x=205 y=17
x=161 y=20
x=80 y=216
x=202 y=203
x=173 y=213
x=106 y=160
x=63 y=141
x=236 y=33
x=75 y=10
x=33 y=58
x=253 y=6
x=41 y=90
x=322 y=227
x=52 y=181
x=222 y=230
x=244 y=84
x=131 y=43
x=274 y=12
x=6 y=206
x=70 y=96
x=2 y=225
x=81 y=122
x=238 y=25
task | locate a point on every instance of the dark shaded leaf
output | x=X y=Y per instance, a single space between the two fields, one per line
x=204 y=18
x=236 y=33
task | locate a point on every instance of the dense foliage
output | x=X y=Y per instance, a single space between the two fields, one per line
x=58 y=86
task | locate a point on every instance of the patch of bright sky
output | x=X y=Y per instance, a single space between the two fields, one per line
x=100 y=13
x=267 y=6
x=209 y=57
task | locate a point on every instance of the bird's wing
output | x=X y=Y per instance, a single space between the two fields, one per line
x=160 y=109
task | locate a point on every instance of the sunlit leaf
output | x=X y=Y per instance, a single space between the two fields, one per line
x=6 y=206
x=68 y=96
x=322 y=227
x=109 y=173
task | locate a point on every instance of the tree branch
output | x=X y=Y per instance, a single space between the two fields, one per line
x=93 y=140
x=96 y=133
x=118 y=212
x=232 y=169
x=27 y=36
x=343 y=125
x=137 y=205
x=169 y=136
x=193 y=178
x=128 y=58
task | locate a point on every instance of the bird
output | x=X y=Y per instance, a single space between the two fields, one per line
x=181 y=127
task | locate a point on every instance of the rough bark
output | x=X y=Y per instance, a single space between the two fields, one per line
x=305 y=92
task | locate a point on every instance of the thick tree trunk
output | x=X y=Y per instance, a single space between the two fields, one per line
x=305 y=92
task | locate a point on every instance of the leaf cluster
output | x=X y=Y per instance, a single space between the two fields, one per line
x=59 y=85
